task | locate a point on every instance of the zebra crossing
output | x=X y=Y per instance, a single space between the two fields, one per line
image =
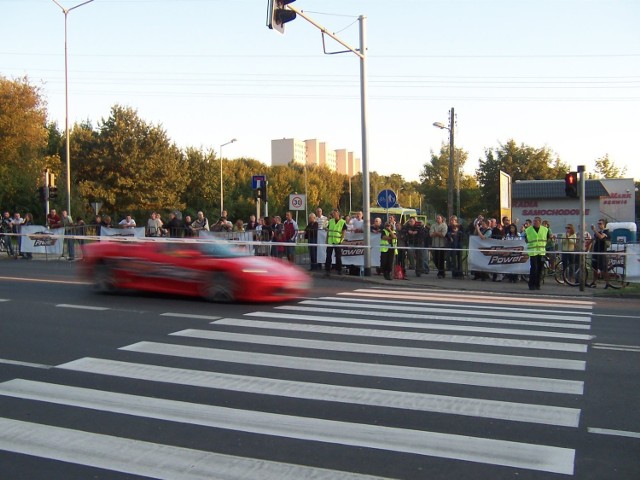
x=368 y=383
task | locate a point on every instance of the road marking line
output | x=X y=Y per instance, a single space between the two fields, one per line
x=615 y=433
x=492 y=380
x=403 y=335
x=622 y=348
x=43 y=280
x=82 y=307
x=443 y=445
x=190 y=315
x=470 y=407
x=584 y=317
x=4 y=300
x=424 y=402
x=460 y=356
x=470 y=317
x=146 y=459
x=415 y=325
x=464 y=296
x=25 y=364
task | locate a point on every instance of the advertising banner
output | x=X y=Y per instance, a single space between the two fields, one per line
x=498 y=256
x=37 y=239
x=137 y=232
x=352 y=248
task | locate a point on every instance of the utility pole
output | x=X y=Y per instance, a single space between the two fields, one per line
x=451 y=166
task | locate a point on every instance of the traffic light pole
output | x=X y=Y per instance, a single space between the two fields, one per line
x=362 y=54
x=583 y=254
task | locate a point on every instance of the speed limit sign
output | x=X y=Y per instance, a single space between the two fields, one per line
x=297 y=201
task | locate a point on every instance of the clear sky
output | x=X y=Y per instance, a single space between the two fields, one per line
x=558 y=73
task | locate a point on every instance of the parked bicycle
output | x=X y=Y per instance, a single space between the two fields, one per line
x=615 y=278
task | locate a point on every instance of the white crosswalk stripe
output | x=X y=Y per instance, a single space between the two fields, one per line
x=409 y=352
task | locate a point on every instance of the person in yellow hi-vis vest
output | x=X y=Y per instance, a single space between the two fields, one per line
x=336 y=229
x=388 y=242
x=536 y=236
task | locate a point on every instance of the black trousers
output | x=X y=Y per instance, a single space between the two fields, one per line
x=536 y=265
x=338 y=251
x=386 y=261
x=438 y=259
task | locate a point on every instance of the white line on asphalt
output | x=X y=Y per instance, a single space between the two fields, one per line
x=443 y=445
x=424 y=312
x=424 y=402
x=148 y=459
x=403 y=335
x=465 y=296
x=44 y=280
x=615 y=433
x=460 y=356
x=621 y=348
x=491 y=380
x=81 y=307
x=4 y=300
x=24 y=364
x=494 y=310
x=190 y=315
x=416 y=325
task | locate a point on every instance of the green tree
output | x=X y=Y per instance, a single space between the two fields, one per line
x=129 y=165
x=522 y=162
x=435 y=179
x=606 y=168
x=23 y=143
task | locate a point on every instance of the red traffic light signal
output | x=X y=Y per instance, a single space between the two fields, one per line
x=571 y=184
x=278 y=15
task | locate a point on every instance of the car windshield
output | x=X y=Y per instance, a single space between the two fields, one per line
x=220 y=250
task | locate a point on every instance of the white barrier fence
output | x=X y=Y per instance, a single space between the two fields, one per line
x=490 y=255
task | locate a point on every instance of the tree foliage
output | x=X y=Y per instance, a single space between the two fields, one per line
x=521 y=162
x=23 y=143
x=606 y=168
x=435 y=181
x=128 y=164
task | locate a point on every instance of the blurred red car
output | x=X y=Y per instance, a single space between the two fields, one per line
x=214 y=270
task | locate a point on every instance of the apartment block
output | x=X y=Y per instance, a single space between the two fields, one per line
x=314 y=153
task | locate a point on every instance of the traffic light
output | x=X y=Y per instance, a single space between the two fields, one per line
x=53 y=193
x=571 y=184
x=278 y=15
x=262 y=192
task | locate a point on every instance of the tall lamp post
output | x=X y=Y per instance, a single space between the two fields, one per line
x=451 y=163
x=66 y=11
x=221 y=183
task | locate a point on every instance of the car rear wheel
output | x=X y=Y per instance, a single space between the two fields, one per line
x=218 y=288
x=103 y=278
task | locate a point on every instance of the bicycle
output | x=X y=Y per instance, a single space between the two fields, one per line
x=552 y=267
x=616 y=273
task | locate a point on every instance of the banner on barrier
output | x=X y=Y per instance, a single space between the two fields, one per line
x=633 y=263
x=352 y=248
x=137 y=232
x=498 y=256
x=37 y=239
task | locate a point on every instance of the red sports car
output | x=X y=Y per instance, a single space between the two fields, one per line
x=211 y=269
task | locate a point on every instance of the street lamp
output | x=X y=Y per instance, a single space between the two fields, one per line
x=442 y=126
x=66 y=100
x=221 y=184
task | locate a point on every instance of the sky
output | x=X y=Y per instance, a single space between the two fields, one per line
x=562 y=74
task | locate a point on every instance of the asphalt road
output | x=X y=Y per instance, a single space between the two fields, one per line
x=397 y=381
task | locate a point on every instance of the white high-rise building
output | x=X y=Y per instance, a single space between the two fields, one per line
x=288 y=149
x=313 y=152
